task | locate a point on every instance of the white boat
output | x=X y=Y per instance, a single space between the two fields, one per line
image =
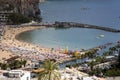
x=101 y=36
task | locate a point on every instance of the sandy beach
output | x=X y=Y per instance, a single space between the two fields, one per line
x=11 y=33
x=35 y=52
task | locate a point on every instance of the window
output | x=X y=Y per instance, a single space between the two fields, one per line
x=27 y=78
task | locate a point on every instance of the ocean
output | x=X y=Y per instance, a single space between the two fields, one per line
x=95 y=12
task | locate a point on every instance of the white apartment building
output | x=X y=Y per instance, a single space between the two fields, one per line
x=4 y=15
x=15 y=75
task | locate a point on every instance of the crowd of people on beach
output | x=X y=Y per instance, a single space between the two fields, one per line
x=30 y=51
x=33 y=54
x=26 y=50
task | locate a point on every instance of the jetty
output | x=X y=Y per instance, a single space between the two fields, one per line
x=41 y=1
x=80 y=25
x=74 y=24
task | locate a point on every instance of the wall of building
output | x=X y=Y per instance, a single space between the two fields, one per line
x=26 y=76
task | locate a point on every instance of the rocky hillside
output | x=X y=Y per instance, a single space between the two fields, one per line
x=6 y=5
x=26 y=7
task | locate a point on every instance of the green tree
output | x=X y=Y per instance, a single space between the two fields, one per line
x=112 y=49
x=16 y=18
x=118 y=59
x=24 y=62
x=50 y=71
x=92 y=63
x=17 y=64
x=4 y=66
x=91 y=53
x=106 y=53
x=76 y=54
x=103 y=59
x=98 y=59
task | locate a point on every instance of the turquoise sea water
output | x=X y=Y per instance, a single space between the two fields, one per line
x=95 y=12
x=73 y=38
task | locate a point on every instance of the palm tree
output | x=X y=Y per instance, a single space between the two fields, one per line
x=50 y=71
x=98 y=59
x=24 y=62
x=17 y=64
x=82 y=56
x=77 y=56
x=112 y=49
x=106 y=53
x=118 y=59
x=91 y=65
x=103 y=59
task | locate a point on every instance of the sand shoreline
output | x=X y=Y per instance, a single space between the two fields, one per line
x=9 y=40
x=41 y=52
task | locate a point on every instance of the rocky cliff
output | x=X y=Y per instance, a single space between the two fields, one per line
x=29 y=8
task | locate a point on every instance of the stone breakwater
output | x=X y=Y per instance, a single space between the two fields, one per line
x=80 y=25
x=41 y=1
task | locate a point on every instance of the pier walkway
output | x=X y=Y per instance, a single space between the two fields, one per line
x=73 y=24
